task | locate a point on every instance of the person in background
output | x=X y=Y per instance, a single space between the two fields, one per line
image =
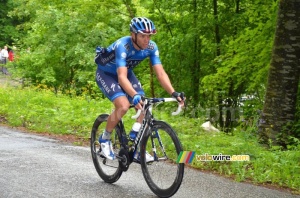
x=4 y=54
x=11 y=55
x=0 y=55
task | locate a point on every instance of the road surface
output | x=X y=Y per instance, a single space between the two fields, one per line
x=37 y=166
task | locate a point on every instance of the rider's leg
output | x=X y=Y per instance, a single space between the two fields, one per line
x=108 y=84
x=121 y=107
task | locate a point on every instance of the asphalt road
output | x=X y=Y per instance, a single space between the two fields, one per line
x=36 y=166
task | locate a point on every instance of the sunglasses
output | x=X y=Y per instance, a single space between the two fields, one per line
x=147 y=31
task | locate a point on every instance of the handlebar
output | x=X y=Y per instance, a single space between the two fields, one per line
x=151 y=101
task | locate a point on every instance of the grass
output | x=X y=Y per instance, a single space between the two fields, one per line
x=42 y=111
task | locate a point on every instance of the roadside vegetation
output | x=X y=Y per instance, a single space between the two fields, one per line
x=45 y=112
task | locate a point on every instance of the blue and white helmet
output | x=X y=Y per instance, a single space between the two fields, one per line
x=142 y=25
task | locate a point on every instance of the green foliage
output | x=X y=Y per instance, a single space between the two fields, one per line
x=43 y=111
x=243 y=67
x=8 y=31
x=62 y=40
x=52 y=30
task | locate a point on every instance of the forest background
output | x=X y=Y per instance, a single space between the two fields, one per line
x=218 y=52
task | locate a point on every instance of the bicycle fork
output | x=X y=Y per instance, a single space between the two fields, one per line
x=157 y=136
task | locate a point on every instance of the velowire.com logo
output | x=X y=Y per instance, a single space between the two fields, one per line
x=188 y=156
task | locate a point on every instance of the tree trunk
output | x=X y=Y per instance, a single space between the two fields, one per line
x=195 y=67
x=130 y=8
x=228 y=124
x=281 y=94
x=151 y=80
x=218 y=53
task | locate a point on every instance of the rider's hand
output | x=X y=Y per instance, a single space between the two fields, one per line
x=137 y=98
x=179 y=96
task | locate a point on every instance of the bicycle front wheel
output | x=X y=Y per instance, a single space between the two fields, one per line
x=163 y=175
x=109 y=170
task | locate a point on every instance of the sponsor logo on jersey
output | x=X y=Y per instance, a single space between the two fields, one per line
x=132 y=63
x=127 y=46
x=117 y=43
x=102 y=82
x=104 y=57
x=150 y=46
x=123 y=55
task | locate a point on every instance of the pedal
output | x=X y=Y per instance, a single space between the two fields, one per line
x=125 y=161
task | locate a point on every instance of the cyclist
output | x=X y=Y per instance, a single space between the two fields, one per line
x=117 y=81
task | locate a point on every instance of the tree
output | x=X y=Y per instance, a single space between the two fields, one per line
x=62 y=37
x=281 y=95
x=7 y=24
x=247 y=31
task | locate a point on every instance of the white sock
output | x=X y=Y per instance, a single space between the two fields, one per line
x=106 y=135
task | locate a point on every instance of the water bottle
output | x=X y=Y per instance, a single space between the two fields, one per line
x=134 y=131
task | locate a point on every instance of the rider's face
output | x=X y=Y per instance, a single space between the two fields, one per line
x=142 y=40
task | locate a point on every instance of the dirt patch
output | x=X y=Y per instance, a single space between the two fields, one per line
x=70 y=139
x=7 y=80
x=3 y=119
x=65 y=138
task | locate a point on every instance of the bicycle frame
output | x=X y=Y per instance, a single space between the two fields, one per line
x=146 y=126
x=124 y=141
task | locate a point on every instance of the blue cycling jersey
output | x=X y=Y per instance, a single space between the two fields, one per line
x=122 y=54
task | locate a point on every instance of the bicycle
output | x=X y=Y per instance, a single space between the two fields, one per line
x=163 y=175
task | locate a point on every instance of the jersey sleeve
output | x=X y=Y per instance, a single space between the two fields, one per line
x=121 y=55
x=154 y=55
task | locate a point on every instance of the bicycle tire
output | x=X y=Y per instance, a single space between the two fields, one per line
x=109 y=170
x=163 y=177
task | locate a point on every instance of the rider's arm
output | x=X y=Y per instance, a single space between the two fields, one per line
x=126 y=85
x=161 y=75
x=163 y=78
x=124 y=82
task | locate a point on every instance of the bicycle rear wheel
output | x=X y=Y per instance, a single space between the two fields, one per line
x=163 y=176
x=109 y=170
